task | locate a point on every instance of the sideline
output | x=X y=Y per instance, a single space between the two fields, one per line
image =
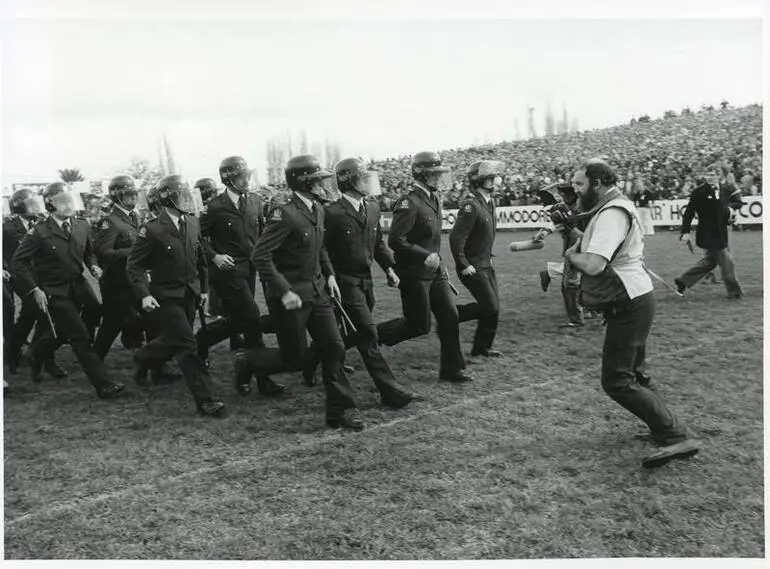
x=330 y=436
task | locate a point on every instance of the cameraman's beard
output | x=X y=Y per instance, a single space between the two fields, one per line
x=589 y=199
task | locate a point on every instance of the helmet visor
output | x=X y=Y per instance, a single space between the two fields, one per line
x=67 y=203
x=369 y=184
x=33 y=205
x=189 y=201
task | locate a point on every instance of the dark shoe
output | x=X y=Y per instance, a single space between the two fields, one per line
x=486 y=353
x=12 y=364
x=165 y=374
x=680 y=288
x=214 y=409
x=734 y=296
x=268 y=387
x=666 y=454
x=36 y=369
x=242 y=375
x=109 y=391
x=54 y=370
x=348 y=369
x=644 y=435
x=572 y=324
x=349 y=419
x=645 y=380
x=456 y=377
x=545 y=280
x=5 y=388
x=140 y=377
x=237 y=342
x=397 y=399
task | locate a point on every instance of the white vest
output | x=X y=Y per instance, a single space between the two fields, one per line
x=627 y=264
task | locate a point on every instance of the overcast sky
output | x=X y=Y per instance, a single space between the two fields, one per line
x=91 y=93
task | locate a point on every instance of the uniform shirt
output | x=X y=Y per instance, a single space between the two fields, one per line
x=354 y=241
x=290 y=254
x=114 y=236
x=227 y=231
x=712 y=206
x=615 y=234
x=48 y=259
x=473 y=234
x=175 y=258
x=415 y=233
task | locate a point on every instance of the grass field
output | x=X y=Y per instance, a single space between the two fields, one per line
x=532 y=460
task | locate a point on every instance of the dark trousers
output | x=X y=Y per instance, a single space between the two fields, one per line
x=710 y=260
x=66 y=315
x=486 y=309
x=175 y=318
x=121 y=313
x=623 y=363
x=317 y=317
x=418 y=299
x=358 y=302
x=18 y=331
x=237 y=298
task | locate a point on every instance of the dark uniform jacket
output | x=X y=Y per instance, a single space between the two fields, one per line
x=353 y=242
x=226 y=231
x=711 y=205
x=48 y=259
x=178 y=262
x=415 y=233
x=290 y=254
x=473 y=233
x=114 y=237
x=13 y=233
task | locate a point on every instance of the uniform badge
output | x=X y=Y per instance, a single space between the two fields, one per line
x=468 y=208
x=105 y=224
x=142 y=231
x=277 y=214
x=403 y=204
x=30 y=231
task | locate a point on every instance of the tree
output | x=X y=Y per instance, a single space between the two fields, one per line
x=69 y=175
x=145 y=174
x=644 y=118
x=276 y=157
x=707 y=107
x=670 y=114
x=724 y=104
x=686 y=111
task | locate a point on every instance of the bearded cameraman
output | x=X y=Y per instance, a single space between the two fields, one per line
x=609 y=255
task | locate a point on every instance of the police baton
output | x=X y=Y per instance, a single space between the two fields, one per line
x=50 y=323
x=345 y=317
x=660 y=279
x=451 y=286
x=689 y=246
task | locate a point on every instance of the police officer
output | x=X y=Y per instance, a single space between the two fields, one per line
x=121 y=310
x=711 y=202
x=48 y=266
x=153 y=204
x=415 y=238
x=26 y=210
x=471 y=241
x=609 y=254
x=230 y=229
x=170 y=248
x=353 y=240
x=292 y=261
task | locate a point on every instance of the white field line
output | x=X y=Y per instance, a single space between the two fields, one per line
x=80 y=503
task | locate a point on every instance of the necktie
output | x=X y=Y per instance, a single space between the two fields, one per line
x=241 y=203
x=132 y=215
x=65 y=227
x=362 y=212
x=182 y=226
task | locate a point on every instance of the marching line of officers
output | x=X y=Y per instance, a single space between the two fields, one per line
x=313 y=260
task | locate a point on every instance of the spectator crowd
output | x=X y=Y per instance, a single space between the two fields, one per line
x=662 y=157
